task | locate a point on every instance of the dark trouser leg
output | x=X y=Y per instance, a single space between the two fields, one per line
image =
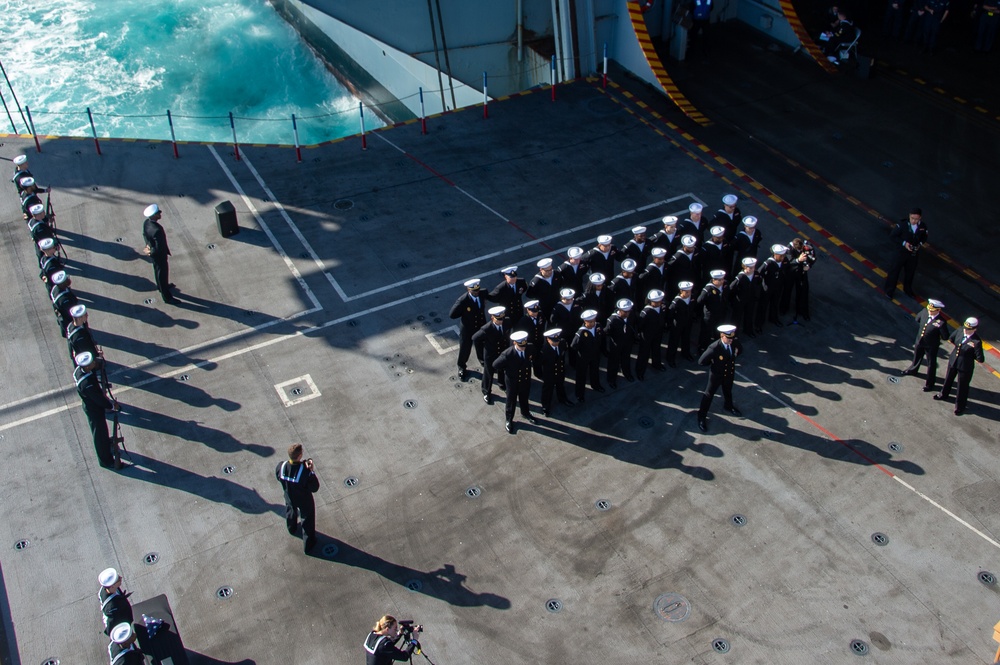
x=547 y=388
x=727 y=394
x=614 y=361
x=102 y=438
x=962 y=394
x=706 y=397
x=749 y=309
x=580 y=378
x=918 y=357
x=641 y=359
x=487 y=380
x=464 y=350
x=161 y=273
x=308 y=520
x=949 y=378
x=802 y=298
x=524 y=397
x=511 y=404
x=561 y=389
x=291 y=518
x=932 y=360
x=595 y=372
x=909 y=270
x=892 y=275
x=656 y=352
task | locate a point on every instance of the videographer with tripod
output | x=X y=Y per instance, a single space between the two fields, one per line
x=91 y=384
x=380 y=645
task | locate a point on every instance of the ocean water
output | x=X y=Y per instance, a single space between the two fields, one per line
x=132 y=60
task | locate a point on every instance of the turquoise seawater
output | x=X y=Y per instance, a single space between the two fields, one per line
x=132 y=60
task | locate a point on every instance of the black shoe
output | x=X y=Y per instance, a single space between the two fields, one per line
x=581 y=399
x=702 y=425
x=908 y=372
x=502 y=387
x=545 y=412
x=612 y=385
x=310 y=544
x=567 y=402
x=600 y=389
x=488 y=399
x=640 y=377
x=805 y=316
x=927 y=389
x=688 y=356
x=170 y=300
x=659 y=368
x=733 y=410
x=750 y=334
x=530 y=418
x=889 y=295
x=938 y=397
x=630 y=379
x=106 y=466
x=959 y=412
x=910 y=293
x=510 y=427
x=779 y=324
x=294 y=531
x=672 y=364
x=461 y=374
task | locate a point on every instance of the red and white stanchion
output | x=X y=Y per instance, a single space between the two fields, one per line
x=423 y=116
x=364 y=139
x=236 y=144
x=553 y=75
x=486 y=100
x=604 y=76
x=93 y=130
x=31 y=124
x=295 y=132
x=173 y=137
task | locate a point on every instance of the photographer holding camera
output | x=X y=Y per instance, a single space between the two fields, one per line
x=300 y=482
x=803 y=256
x=380 y=645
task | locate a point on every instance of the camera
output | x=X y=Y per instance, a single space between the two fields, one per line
x=409 y=628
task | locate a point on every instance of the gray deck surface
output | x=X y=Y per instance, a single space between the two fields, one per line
x=808 y=465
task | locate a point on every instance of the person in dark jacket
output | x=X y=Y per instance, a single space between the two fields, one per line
x=380 y=645
x=470 y=308
x=157 y=249
x=587 y=345
x=620 y=338
x=300 y=482
x=743 y=295
x=652 y=322
x=720 y=356
x=931 y=331
x=962 y=362
x=713 y=301
x=115 y=606
x=93 y=391
x=550 y=368
x=907 y=237
x=516 y=363
x=494 y=337
x=680 y=315
x=802 y=256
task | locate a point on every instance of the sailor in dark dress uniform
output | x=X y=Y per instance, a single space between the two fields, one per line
x=115 y=606
x=123 y=649
x=962 y=362
x=720 y=356
x=471 y=309
x=931 y=331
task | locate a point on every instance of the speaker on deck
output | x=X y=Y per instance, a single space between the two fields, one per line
x=225 y=217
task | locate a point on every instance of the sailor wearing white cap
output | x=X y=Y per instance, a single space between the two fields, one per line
x=747 y=241
x=694 y=224
x=650 y=335
x=510 y=293
x=158 y=250
x=655 y=274
x=624 y=285
x=570 y=273
x=470 y=308
x=123 y=649
x=684 y=265
x=49 y=263
x=638 y=248
x=587 y=345
x=494 y=336
x=39 y=227
x=620 y=331
x=515 y=364
x=680 y=316
x=603 y=257
x=775 y=276
x=744 y=293
x=20 y=171
x=93 y=390
x=714 y=254
x=78 y=337
x=714 y=303
x=597 y=295
x=668 y=238
x=29 y=195
x=544 y=287
x=551 y=369
x=115 y=607
x=931 y=331
x=63 y=299
x=720 y=356
x=962 y=362
x=566 y=313
x=729 y=216
x=532 y=323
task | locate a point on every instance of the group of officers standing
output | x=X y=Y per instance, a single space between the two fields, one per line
x=635 y=305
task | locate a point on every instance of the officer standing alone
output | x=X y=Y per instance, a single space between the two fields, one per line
x=515 y=363
x=298 y=478
x=720 y=356
x=907 y=237
x=157 y=249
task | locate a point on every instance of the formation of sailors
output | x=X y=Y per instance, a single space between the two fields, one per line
x=640 y=305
